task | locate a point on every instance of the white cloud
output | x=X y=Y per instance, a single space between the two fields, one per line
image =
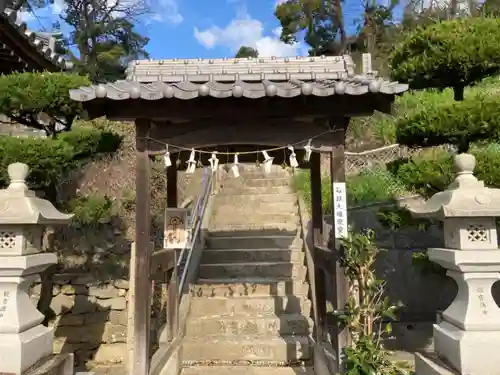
x=278 y=2
x=168 y=10
x=246 y=31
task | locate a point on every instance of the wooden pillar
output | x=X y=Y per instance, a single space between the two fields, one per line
x=141 y=319
x=340 y=339
x=172 y=192
x=318 y=240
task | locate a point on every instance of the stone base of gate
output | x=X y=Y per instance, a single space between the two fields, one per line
x=57 y=364
x=427 y=364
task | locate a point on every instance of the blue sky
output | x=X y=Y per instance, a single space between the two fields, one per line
x=207 y=28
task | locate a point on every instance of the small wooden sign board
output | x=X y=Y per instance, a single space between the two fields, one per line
x=176 y=228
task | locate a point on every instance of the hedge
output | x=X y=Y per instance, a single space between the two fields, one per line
x=432 y=173
x=453 y=53
x=51 y=160
x=459 y=123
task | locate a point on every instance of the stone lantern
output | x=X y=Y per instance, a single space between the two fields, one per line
x=467 y=340
x=24 y=342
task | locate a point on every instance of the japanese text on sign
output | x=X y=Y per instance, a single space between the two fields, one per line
x=340 y=209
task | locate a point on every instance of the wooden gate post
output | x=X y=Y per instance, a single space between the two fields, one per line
x=318 y=241
x=339 y=228
x=139 y=358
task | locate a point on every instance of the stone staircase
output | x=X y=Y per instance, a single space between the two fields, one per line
x=250 y=312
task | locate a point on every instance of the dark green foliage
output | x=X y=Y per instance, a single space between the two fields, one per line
x=245 y=51
x=367 y=310
x=51 y=160
x=453 y=53
x=458 y=123
x=24 y=96
x=91 y=210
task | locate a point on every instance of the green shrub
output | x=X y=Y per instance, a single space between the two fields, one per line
x=458 y=123
x=92 y=210
x=432 y=173
x=374 y=185
x=23 y=96
x=51 y=160
x=453 y=53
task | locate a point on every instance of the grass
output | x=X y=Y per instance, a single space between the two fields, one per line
x=369 y=186
x=380 y=129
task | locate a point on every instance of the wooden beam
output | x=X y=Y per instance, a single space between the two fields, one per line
x=317 y=224
x=340 y=338
x=228 y=109
x=142 y=286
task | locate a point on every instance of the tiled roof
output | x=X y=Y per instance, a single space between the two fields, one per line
x=250 y=78
x=39 y=43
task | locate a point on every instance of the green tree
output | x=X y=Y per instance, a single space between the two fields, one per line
x=41 y=100
x=103 y=38
x=321 y=22
x=246 y=51
x=454 y=53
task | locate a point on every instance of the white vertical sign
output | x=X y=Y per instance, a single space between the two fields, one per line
x=340 y=209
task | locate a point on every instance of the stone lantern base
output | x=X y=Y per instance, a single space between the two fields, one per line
x=473 y=352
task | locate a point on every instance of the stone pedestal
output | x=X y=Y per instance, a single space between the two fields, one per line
x=467 y=339
x=24 y=342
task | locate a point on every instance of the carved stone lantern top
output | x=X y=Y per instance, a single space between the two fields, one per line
x=466 y=197
x=19 y=205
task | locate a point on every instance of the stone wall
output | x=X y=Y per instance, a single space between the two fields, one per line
x=421 y=293
x=90 y=317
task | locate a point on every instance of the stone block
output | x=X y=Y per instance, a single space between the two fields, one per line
x=18 y=352
x=62 y=304
x=252 y=269
x=103 y=291
x=248 y=325
x=118 y=317
x=89 y=334
x=84 y=304
x=114 y=333
x=248 y=287
x=254 y=255
x=259 y=240
x=270 y=349
x=54 y=365
x=468 y=352
x=97 y=317
x=74 y=289
x=111 y=353
x=117 y=303
x=71 y=320
x=121 y=284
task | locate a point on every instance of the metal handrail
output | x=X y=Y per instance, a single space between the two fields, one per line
x=195 y=225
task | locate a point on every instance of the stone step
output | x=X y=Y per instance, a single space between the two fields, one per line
x=229 y=306
x=249 y=287
x=257 y=181
x=258 y=348
x=216 y=226
x=243 y=190
x=265 y=219
x=252 y=255
x=289 y=324
x=246 y=370
x=224 y=240
x=290 y=198
x=257 y=269
x=252 y=208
